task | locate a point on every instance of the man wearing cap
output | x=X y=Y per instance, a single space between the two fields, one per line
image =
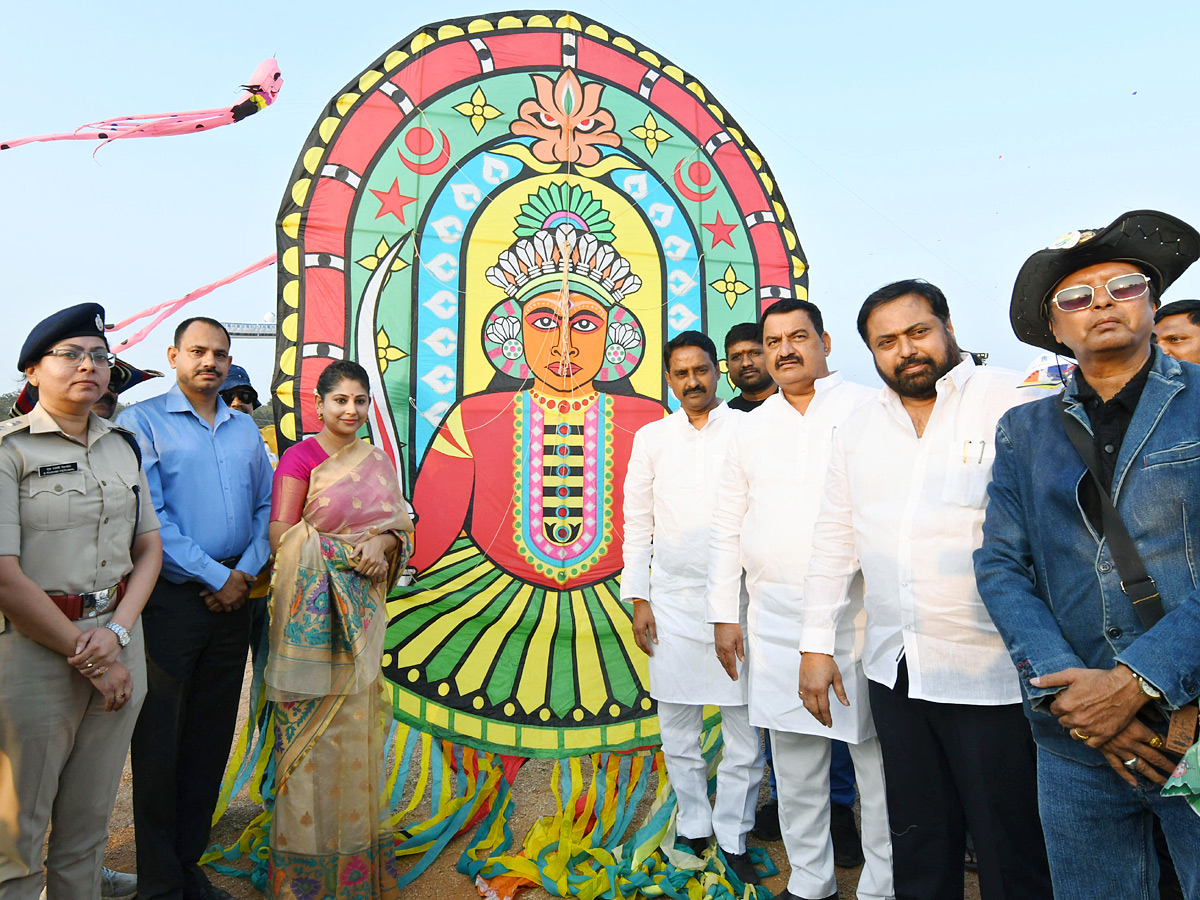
x=1177 y=330
x=210 y=480
x=903 y=504
x=239 y=395
x=1095 y=593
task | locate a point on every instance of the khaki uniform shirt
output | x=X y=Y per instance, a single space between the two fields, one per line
x=67 y=509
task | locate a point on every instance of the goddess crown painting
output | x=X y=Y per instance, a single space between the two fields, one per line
x=504 y=219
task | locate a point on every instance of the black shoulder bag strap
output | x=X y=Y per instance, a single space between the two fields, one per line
x=1136 y=582
x=137 y=488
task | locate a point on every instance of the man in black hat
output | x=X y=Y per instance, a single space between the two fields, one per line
x=1177 y=330
x=1085 y=565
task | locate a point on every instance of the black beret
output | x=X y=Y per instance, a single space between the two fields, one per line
x=82 y=320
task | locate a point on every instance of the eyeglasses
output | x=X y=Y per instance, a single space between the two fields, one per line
x=101 y=359
x=1082 y=296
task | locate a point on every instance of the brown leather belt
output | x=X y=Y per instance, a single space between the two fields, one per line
x=91 y=604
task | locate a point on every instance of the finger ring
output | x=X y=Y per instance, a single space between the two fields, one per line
x=801 y=693
x=89 y=665
x=1157 y=742
x=1079 y=735
x=1132 y=764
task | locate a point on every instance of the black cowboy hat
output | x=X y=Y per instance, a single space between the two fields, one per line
x=1160 y=245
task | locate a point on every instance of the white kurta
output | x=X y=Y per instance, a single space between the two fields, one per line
x=769 y=497
x=671 y=489
x=906 y=514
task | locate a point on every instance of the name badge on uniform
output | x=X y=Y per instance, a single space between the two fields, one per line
x=59 y=469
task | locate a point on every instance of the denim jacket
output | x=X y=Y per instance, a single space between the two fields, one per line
x=1049 y=581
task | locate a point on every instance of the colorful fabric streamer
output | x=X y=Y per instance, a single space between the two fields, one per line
x=259 y=93
x=580 y=850
x=164 y=310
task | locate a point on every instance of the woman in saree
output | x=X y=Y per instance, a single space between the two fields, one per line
x=339 y=526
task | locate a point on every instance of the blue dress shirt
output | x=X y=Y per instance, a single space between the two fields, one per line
x=211 y=486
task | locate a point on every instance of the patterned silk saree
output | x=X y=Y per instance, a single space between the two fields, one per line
x=328 y=836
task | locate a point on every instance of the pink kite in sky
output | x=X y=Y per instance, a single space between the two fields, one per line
x=260 y=92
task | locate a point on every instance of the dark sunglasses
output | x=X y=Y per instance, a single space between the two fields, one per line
x=244 y=394
x=1082 y=296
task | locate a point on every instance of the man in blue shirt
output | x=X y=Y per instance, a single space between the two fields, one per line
x=1103 y=678
x=210 y=480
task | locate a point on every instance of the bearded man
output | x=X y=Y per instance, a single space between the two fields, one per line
x=747 y=366
x=904 y=505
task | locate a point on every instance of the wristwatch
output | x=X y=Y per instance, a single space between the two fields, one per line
x=119 y=630
x=1147 y=688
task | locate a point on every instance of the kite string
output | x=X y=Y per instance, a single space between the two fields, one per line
x=170 y=307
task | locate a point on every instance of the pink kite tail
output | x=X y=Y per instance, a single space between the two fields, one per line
x=168 y=308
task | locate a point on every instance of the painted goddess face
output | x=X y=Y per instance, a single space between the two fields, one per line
x=564 y=348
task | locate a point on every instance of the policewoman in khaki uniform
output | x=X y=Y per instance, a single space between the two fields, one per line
x=79 y=554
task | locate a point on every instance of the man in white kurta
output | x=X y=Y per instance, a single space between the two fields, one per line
x=902 y=509
x=770 y=493
x=670 y=493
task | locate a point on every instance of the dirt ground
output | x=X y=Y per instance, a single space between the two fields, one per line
x=440 y=881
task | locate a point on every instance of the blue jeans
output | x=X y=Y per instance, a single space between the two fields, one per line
x=1099 y=834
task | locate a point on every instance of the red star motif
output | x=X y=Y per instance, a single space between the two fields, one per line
x=392 y=201
x=720 y=231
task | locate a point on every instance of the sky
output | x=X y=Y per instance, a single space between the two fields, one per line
x=946 y=141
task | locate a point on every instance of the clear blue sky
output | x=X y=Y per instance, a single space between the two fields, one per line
x=946 y=141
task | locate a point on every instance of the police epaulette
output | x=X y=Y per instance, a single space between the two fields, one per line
x=8 y=426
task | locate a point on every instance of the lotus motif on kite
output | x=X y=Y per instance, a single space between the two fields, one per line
x=566 y=121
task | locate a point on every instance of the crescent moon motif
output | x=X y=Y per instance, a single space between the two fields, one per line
x=683 y=188
x=436 y=164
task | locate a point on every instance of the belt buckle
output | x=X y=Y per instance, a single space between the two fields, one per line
x=95 y=603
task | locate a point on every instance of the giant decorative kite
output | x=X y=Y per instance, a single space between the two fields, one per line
x=503 y=219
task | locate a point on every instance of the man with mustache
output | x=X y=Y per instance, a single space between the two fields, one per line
x=747 y=366
x=670 y=492
x=903 y=505
x=1088 y=558
x=746 y=363
x=768 y=498
x=210 y=481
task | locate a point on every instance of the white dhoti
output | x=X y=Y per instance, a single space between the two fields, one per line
x=739 y=773
x=802 y=777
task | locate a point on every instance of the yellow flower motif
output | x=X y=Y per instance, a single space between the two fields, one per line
x=650 y=133
x=478 y=110
x=371 y=262
x=730 y=286
x=385 y=351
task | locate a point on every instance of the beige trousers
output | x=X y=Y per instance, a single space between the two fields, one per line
x=61 y=757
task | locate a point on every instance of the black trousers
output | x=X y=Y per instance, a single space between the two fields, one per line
x=950 y=767
x=195 y=660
